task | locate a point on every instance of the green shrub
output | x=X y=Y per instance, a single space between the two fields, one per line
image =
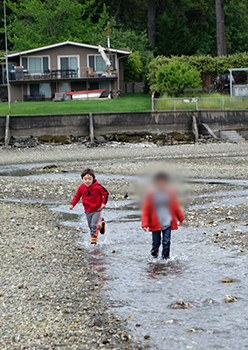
x=174 y=77
x=133 y=67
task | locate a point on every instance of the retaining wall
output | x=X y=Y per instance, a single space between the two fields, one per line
x=122 y=123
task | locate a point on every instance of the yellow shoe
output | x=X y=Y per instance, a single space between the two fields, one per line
x=94 y=240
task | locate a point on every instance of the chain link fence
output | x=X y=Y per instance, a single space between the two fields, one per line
x=199 y=103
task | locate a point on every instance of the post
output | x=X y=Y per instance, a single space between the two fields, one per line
x=196 y=104
x=153 y=97
x=223 y=103
x=91 y=125
x=175 y=107
x=6 y=56
x=195 y=128
x=231 y=87
x=7 y=131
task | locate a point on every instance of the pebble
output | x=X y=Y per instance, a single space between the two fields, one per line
x=227 y=280
x=229 y=299
x=182 y=305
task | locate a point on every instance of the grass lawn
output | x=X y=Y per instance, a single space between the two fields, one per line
x=127 y=102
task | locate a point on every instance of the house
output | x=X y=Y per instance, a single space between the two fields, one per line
x=37 y=74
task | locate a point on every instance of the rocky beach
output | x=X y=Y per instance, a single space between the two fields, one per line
x=50 y=294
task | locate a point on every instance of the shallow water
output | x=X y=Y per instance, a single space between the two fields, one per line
x=142 y=289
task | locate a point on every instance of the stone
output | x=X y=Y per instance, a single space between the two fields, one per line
x=97 y=323
x=227 y=280
x=229 y=299
x=147 y=337
x=194 y=330
x=105 y=341
x=101 y=138
x=48 y=167
x=125 y=337
x=182 y=305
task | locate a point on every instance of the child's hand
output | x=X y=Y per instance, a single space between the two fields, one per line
x=103 y=206
x=146 y=229
x=71 y=207
x=180 y=223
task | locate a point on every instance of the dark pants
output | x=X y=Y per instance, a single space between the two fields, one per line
x=156 y=241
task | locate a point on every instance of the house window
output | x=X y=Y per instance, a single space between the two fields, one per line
x=34 y=89
x=35 y=65
x=67 y=63
x=40 y=89
x=98 y=64
x=45 y=90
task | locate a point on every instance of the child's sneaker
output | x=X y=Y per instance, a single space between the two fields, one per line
x=94 y=240
x=102 y=226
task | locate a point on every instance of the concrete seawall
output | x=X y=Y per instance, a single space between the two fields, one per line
x=122 y=123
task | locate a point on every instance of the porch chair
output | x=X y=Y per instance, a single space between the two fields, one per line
x=90 y=72
x=110 y=70
x=59 y=96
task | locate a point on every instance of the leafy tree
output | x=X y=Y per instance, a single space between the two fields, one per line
x=121 y=38
x=173 y=78
x=35 y=23
x=133 y=67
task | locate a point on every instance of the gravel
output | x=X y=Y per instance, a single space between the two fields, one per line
x=49 y=295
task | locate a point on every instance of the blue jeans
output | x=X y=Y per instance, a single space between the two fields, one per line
x=156 y=242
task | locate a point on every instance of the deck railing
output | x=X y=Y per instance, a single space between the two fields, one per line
x=17 y=75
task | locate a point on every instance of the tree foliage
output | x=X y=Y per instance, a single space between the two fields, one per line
x=206 y=65
x=174 y=77
x=133 y=67
x=35 y=23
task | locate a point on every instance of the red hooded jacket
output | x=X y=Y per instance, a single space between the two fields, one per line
x=149 y=215
x=92 y=197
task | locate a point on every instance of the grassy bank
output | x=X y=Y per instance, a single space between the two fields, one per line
x=127 y=102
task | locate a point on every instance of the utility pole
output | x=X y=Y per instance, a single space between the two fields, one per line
x=6 y=56
x=220 y=24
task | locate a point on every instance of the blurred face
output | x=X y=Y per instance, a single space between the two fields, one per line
x=161 y=184
x=88 y=180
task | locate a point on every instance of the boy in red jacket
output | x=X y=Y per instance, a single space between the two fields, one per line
x=94 y=198
x=160 y=213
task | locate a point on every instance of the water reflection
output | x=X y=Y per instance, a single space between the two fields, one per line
x=165 y=268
